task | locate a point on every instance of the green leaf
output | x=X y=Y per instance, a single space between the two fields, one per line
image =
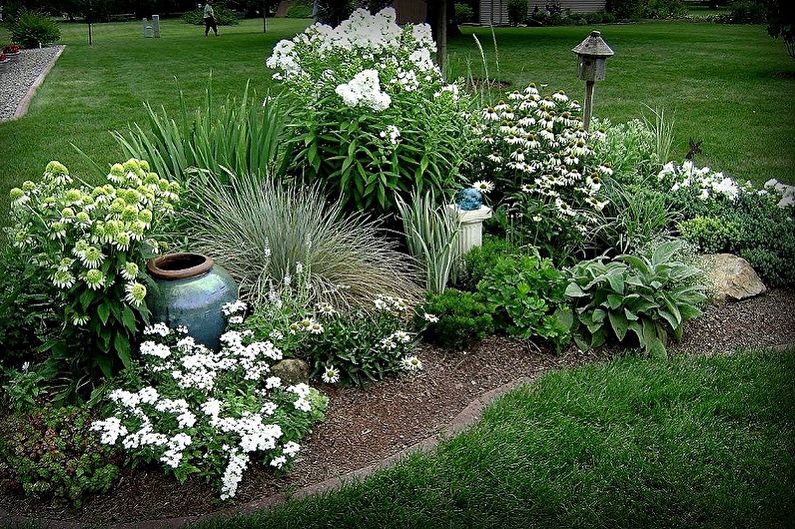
x=122 y=345
x=614 y=301
x=616 y=281
x=104 y=365
x=128 y=318
x=104 y=312
x=619 y=323
x=574 y=291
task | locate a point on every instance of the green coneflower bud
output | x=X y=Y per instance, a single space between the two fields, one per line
x=136 y=293
x=163 y=184
x=63 y=279
x=83 y=217
x=16 y=193
x=91 y=257
x=129 y=214
x=144 y=165
x=94 y=279
x=56 y=168
x=122 y=241
x=130 y=271
x=151 y=178
x=117 y=169
x=131 y=165
x=68 y=213
x=27 y=185
x=145 y=216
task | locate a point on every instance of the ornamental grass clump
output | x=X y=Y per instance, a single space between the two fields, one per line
x=92 y=244
x=545 y=173
x=263 y=230
x=376 y=117
x=196 y=411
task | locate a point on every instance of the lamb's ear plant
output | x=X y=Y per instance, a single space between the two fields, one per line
x=432 y=233
x=648 y=297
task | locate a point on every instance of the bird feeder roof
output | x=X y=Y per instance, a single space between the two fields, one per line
x=593 y=46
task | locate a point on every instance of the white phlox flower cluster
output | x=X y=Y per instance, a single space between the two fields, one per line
x=187 y=404
x=365 y=90
x=703 y=180
x=786 y=192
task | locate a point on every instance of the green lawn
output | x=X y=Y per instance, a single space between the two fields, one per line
x=635 y=443
x=730 y=86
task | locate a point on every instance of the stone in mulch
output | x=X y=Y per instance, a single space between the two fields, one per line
x=365 y=427
x=21 y=75
x=732 y=277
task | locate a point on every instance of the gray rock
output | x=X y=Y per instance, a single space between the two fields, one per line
x=291 y=371
x=731 y=277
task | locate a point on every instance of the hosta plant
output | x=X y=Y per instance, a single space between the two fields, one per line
x=649 y=298
x=92 y=244
x=376 y=117
x=196 y=411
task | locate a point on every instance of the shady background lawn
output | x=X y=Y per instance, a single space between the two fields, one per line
x=636 y=443
x=730 y=86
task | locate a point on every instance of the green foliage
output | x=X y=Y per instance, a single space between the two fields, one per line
x=627 y=148
x=224 y=16
x=52 y=452
x=32 y=28
x=263 y=230
x=637 y=9
x=362 y=346
x=524 y=295
x=650 y=297
x=745 y=12
x=517 y=11
x=243 y=136
x=635 y=215
x=432 y=233
x=480 y=259
x=26 y=311
x=300 y=9
x=464 y=319
x=464 y=13
x=92 y=246
x=781 y=23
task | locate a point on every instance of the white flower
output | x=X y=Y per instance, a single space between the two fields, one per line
x=411 y=363
x=278 y=462
x=483 y=186
x=160 y=329
x=364 y=89
x=431 y=318
x=291 y=448
x=331 y=375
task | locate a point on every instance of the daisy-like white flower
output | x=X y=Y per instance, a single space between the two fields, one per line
x=430 y=318
x=57 y=230
x=325 y=309
x=63 y=279
x=92 y=257
x=236 y=320
x=331 y=375
x=94 y=279
x=411 y=363
x=122 y=241
x=130 y=271
x=136 y=293
x=484 y=186
x=489 y=114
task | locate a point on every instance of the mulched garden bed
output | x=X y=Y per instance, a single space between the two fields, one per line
x=363 y=427
x=21 y=75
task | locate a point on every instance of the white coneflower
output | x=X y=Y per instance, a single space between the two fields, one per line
x=57 y=230
x=518 y=155
x=489 y=114
x=79 y=319
x=484 y=186
x=411 y=363
x=122 y=241
x=136 y=293
x=388 y=343
x=560 y=96
x=331 y=375
x=94 y=279
x=325 y=309
x=130 y=271
x=91 y=257
x=494 y=158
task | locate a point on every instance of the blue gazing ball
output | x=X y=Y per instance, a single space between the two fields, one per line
x=469 y=199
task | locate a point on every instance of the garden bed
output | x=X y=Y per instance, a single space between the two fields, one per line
x=364 y=427
x=19 y=83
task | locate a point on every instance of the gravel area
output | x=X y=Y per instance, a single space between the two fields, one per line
x=363 y=427
x=15 y=83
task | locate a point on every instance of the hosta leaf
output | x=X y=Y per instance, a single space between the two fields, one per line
x=619 y=323
x=616 y=281
x=614 y=301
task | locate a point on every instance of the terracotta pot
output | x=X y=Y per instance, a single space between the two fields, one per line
x=191 y=289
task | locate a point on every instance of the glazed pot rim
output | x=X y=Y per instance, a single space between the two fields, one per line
x=162 y=267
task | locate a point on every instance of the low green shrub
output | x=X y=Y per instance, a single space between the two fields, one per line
x=464 y=13
x=526 y=296
x=53 y=453
x=33 y=28
x=464 y=319
x=651 y=297
x=300 y=9
x=479 y=260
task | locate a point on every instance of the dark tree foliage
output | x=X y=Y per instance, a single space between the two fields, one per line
x=781 y=22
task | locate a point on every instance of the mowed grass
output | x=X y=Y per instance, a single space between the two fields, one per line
x=730 y=86
x=634 y=443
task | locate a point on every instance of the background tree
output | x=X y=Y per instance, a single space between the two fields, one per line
x=780 y=22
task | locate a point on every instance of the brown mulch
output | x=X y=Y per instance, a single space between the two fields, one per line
x=363 y=427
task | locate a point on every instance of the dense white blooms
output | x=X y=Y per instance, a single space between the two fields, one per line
x=364 y=89
x=701 y=180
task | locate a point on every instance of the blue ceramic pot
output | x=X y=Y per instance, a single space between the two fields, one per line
x=190 y=291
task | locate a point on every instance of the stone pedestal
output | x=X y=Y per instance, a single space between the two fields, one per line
x=156 y=26
x=471 y=233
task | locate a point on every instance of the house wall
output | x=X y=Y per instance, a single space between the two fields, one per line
x=495 y=12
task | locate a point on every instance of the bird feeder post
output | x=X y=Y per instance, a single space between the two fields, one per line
x=592 y=54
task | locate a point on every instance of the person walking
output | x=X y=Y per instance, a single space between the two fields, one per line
x=209 y=19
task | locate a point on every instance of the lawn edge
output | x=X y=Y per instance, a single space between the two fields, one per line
x=464 y=420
